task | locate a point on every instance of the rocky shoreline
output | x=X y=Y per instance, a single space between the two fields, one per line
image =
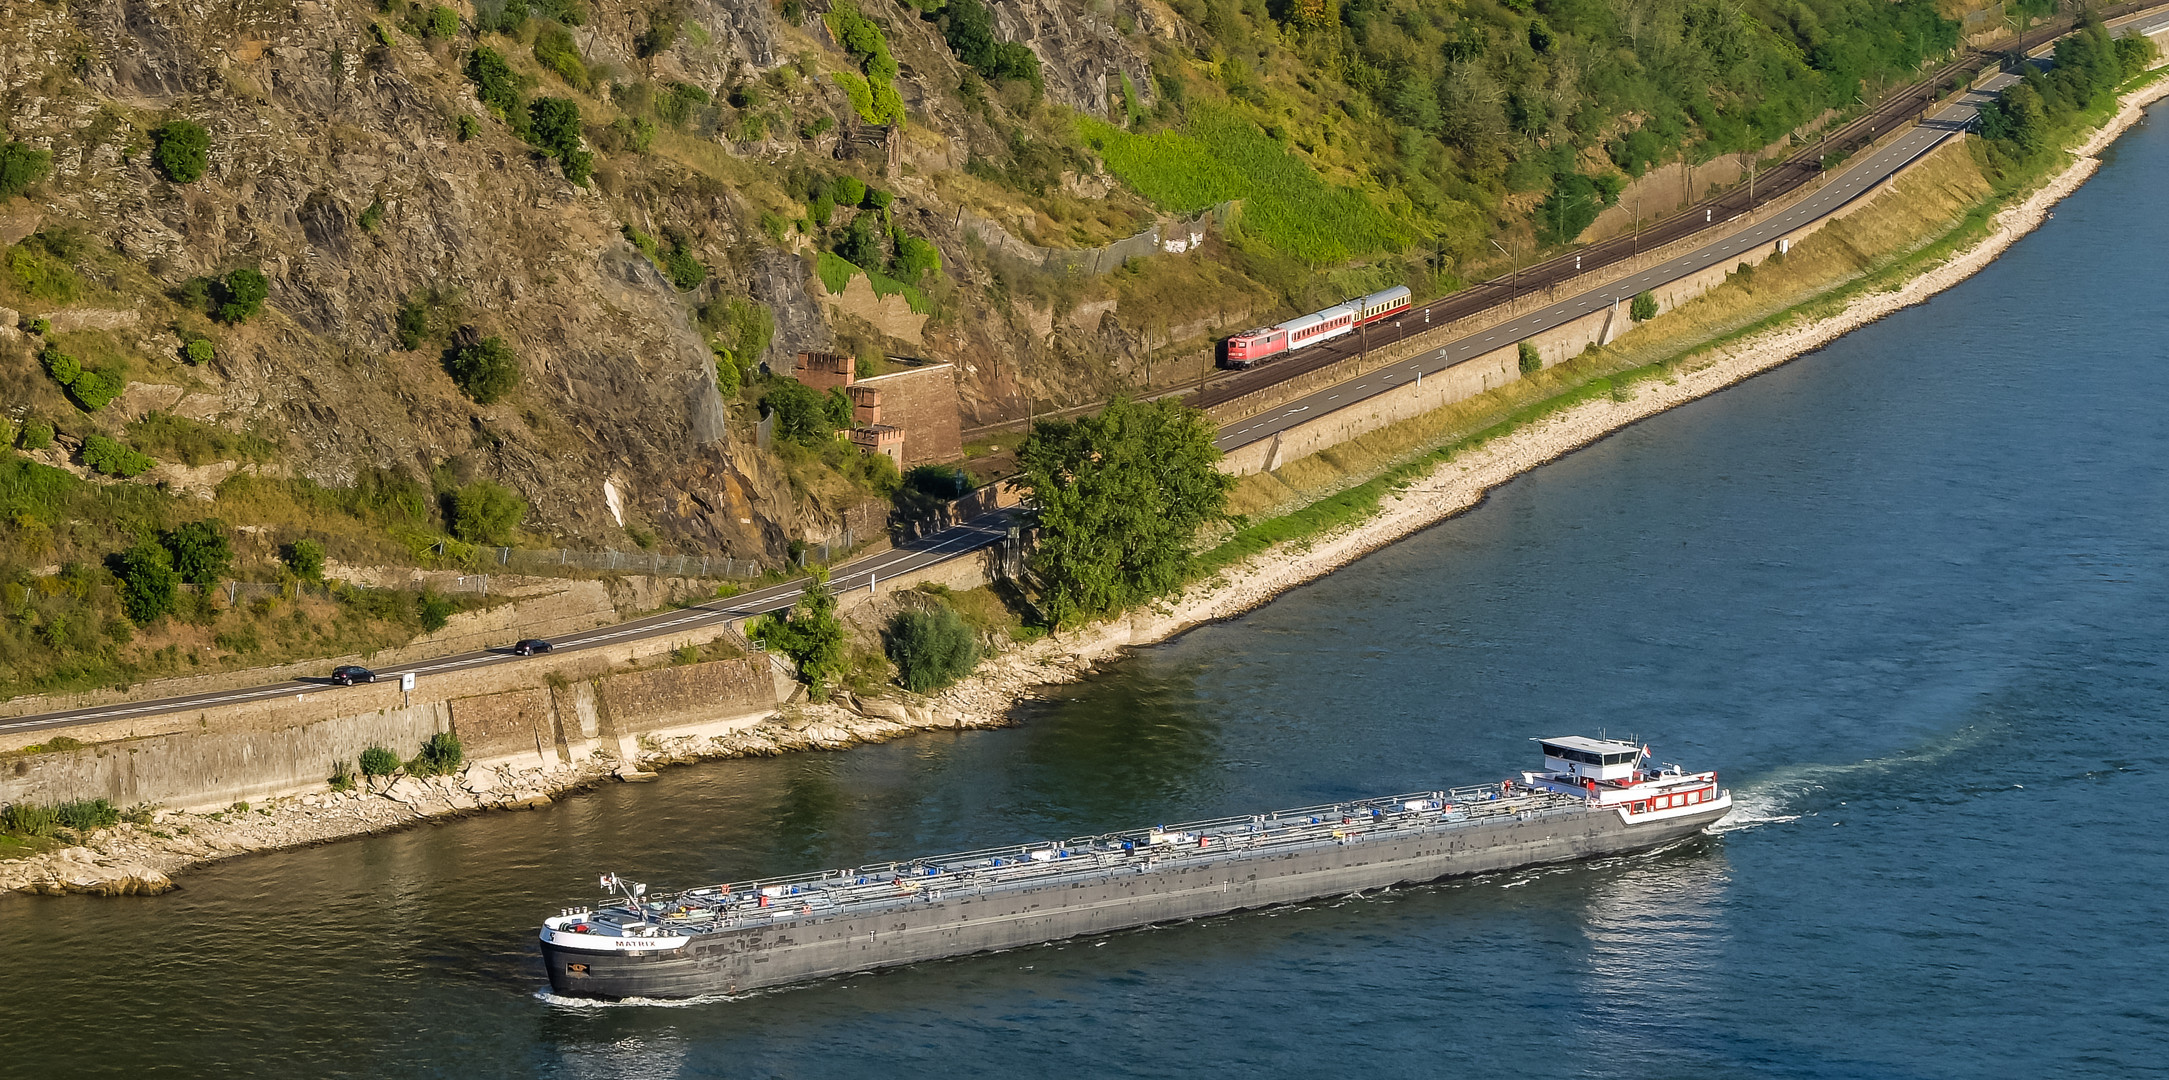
x=136 y=859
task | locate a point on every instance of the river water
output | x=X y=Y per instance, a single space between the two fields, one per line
x=1910 y=594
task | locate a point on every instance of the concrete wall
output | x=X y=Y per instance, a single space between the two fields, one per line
x=211 y=767
x=217 y=757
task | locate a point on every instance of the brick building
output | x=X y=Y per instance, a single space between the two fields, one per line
x=913 y=415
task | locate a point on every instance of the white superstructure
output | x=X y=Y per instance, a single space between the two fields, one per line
x=1614 y=774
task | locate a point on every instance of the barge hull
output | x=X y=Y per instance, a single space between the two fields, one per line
x=962 y=922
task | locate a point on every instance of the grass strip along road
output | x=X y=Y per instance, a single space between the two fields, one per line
x=1840 y=188
x=863 y=573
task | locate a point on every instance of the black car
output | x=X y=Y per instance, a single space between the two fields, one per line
x=532 y=646
x=349 y=675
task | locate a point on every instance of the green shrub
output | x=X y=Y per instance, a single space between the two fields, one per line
x=305 y=557
x=442 y=23
x=847 y=191
x=554 y=125
x=498 y=86
x=201 y=555
x=1644 y=307
x=484 y=370
x=434 y=610
x=83 y=815
x=931 y=649
x=485 y=512
x=182 y=151
x=809 y=633
x=241 y=295
x=42 y=274
x=342 y=775
x=440 y=756
x=199 y=350
x=684 y=270
x=115 y=458
x=804 y=415
x=377 y=761
x=465 y=127
x=28 y=820
x=147 y=582
x=372 y=218
x=915 y=258
x=1531 y=362
x=556 y=50
x=92 y=390
x=35 y=435
x=410 y=324
x=21 y=166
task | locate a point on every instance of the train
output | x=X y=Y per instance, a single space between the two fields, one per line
x=1253 y=347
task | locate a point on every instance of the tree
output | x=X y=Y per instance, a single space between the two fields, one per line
x=554 y=125
x=182 y=151
x=241 y=295
x=809 y=633
x=147 y=582
x=200 y=552
x=1119 y=498
x=497 y=85
x=1644 y=307
x=305 y=557
x=485 y=512
x=805 y=415
x=485 y=370
x=931 y=649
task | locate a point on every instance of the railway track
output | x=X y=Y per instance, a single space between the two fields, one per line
x=1801 y=169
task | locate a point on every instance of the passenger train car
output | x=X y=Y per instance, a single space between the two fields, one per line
x=1256 y=346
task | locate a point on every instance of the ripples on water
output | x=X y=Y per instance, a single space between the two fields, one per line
x=1911 y=594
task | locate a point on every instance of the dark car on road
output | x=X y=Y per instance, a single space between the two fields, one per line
x=349 y=675
x=532 y=646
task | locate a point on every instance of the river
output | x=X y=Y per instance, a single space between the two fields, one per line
x=1910 y=594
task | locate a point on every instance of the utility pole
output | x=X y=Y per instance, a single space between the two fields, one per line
x=1638 y=225
x=1511 y=260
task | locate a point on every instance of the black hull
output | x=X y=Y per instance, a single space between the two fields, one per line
x=750 y=957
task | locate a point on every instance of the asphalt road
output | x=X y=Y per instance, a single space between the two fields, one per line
x=864 y=573
x=1840 y=188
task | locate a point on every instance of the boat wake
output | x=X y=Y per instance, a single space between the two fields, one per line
x=550 y=997
x=1789 y=794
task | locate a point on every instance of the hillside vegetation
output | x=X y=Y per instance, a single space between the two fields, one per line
x=393 y=282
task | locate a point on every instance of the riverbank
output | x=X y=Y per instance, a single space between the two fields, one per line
x=142 y=858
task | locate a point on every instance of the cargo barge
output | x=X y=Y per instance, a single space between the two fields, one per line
x=1593 y=797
